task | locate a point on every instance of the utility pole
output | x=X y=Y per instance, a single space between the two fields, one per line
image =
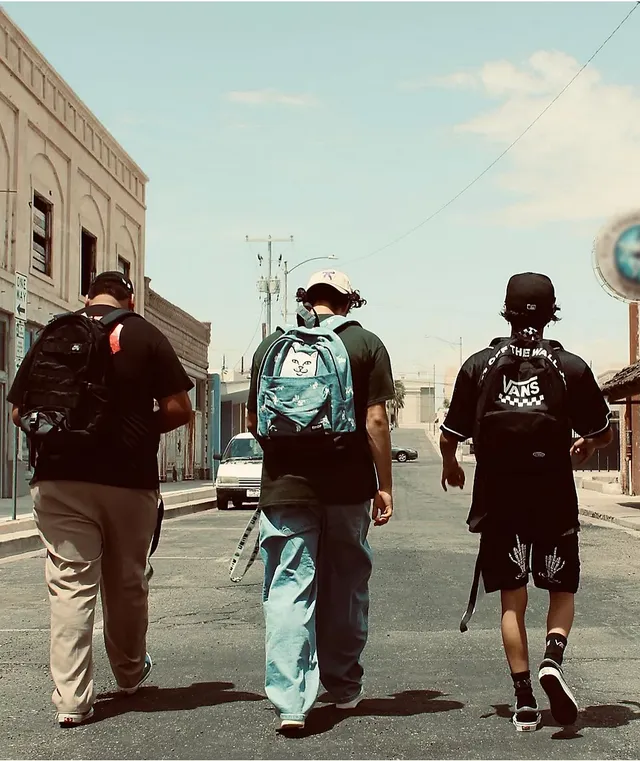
x=268 y=287
x=285 y=292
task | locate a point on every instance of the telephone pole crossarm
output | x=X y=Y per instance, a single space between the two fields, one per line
x=269 y=241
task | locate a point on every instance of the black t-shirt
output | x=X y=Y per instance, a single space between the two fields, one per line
x=145 y=369
x=295 y=474
x=509 y=502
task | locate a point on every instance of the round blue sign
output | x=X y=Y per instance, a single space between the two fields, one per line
x=627 y=254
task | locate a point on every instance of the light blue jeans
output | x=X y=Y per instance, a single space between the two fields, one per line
x=316 y=602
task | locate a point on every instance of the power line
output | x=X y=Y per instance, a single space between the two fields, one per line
x=255 y=332
x=506 y=150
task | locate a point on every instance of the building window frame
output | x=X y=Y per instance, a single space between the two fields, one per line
x=201 y=386
x=4 y=345
x=41 y=234
x=88 y=259
x=124 y=266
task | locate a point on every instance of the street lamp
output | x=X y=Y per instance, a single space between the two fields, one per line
x=331 y=257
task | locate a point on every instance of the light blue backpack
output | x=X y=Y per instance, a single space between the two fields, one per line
x=305 y=386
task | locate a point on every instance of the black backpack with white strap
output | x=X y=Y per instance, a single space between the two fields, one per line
x=522 y=422
x=66 y=394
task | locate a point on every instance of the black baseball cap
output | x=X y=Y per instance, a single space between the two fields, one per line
x=113 y=276
x=530 y=292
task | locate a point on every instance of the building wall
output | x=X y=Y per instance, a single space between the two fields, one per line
x=184 y=453
x=234 y=392
x=419 y=402
x=54 y=148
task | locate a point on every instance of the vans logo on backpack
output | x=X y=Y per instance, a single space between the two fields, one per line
x=521 y=393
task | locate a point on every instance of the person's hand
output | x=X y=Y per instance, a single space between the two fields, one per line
x=582 y=450
x=452 y=474
x=382 y=508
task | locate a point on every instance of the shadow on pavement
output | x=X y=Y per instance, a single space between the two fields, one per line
x=407 y=703
x=152 y=699
x=610 y=716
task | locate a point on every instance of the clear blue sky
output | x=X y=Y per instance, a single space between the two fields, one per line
x=341 y=123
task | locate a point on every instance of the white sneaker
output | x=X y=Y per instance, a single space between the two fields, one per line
x=146 y=672
x=74 y=719
x=349 y=705
x=291 y=725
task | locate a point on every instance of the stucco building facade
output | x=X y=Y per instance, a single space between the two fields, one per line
x=419 y=401
x=72 y=203
x=184 y=453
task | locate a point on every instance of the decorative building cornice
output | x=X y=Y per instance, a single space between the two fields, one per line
x=178 y=318
x=189 y=337
x=28 y=65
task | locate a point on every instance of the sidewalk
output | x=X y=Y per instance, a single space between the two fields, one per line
x=614 y=508
x=619 y=509
x=180 y=498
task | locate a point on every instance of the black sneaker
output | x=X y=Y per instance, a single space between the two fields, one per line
x=146 y=673
x=564 y=708
x=526 y=718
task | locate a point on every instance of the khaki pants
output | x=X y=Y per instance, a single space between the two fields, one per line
x=97 y=538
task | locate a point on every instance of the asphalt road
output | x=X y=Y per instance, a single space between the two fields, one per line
x=432 y=692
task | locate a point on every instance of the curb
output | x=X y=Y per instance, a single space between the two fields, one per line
x=602 y=487
x=433 y=441
x=622 y=522
x=19 y=542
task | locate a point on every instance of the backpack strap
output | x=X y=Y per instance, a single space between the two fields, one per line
x=241 y=544
x=338 y=323
x=497 y=352
x=306 y=318
x=156 y=537
x=116 y=316
x=473 y=596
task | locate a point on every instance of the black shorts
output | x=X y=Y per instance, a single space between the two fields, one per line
x=508 y=559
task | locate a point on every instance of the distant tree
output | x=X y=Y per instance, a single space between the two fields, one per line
x=397 y=403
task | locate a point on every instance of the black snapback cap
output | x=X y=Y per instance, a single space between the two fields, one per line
x=113 y=276
x=530 y=292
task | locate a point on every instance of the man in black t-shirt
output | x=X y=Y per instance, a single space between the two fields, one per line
x=96 y=505
x=529 y=525
x=316 y=512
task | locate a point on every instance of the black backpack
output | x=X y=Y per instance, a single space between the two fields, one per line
x=66 y=392
x=522 y=421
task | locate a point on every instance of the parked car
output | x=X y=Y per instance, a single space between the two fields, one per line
x=402 y=454
x=240 y=472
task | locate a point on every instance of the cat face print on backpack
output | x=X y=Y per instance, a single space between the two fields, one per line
x=300 y=363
